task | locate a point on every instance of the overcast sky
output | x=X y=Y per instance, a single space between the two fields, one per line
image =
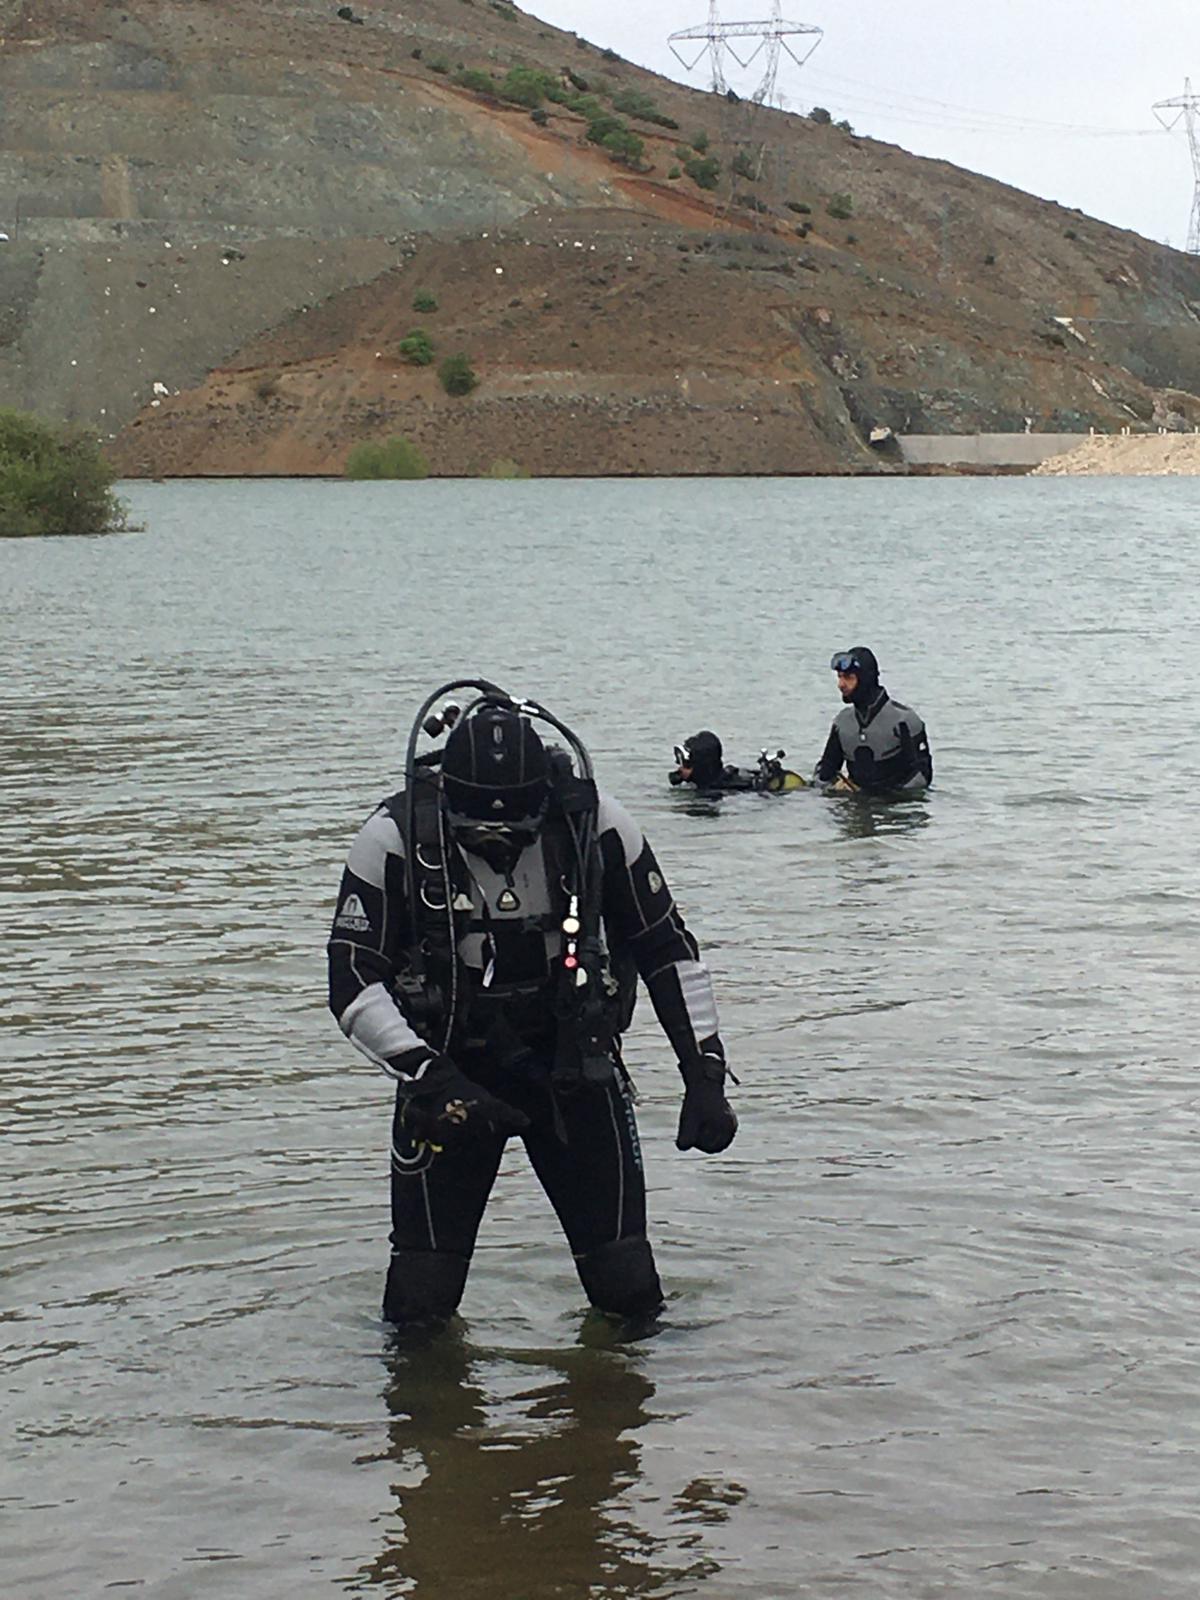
x=977 y=84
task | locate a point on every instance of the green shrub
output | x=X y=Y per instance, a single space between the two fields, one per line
x=440 y=65
x=506 y=468
x=843 y=126
x=700 y=142
x=745 y=166
x=424 y=301
x=417 y=348
x=457 y=375
x=675 y=172
x=840 y=206
x=387 y=458
x=472 y=78
x=800 y=208
x=704 y=170
x=636 y=103
x=528 y=87
x=600 y=127
x=539 y=116
x=53 y=480
x=623 y=145
x=577 y=82
x=585 y=106
x=819 y=114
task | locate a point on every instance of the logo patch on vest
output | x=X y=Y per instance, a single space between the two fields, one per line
x=655 y=882
x=353 y=915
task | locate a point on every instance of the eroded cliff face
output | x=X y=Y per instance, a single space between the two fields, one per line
x=221 y=215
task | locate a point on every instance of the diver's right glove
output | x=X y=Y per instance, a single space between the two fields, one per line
x=707 y=1121
x=445 y=1108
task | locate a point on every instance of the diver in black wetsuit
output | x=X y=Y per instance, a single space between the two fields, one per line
x=702 y=764
x=881 y=743
x=491 y=925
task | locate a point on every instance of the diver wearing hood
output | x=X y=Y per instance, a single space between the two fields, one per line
x=491 y=925
x=701 y=762
x=881 y=743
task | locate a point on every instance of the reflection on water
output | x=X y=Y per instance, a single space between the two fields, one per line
x=511 y=1468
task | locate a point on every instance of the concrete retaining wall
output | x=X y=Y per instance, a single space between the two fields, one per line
x=985 y=449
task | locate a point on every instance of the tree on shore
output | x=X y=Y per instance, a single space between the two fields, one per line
x=53 y=480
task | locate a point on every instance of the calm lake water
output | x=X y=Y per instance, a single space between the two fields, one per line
x=933 y=1319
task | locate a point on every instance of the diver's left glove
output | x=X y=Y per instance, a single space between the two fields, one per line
x=707 y=1121
x=444 y=1107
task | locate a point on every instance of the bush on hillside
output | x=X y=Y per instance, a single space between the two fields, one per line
x=53 y=480
x=623 y=145
x=417 y=349
x=457 y=375
x=386 y=458
x=704 y=170
x=425 y=301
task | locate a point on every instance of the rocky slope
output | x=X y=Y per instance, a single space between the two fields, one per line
x=226 y=212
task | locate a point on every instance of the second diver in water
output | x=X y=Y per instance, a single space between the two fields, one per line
x=701 y=763
x=881 y=744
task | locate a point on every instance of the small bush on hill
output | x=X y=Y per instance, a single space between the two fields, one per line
x=506 y=468
x=53 y=480
x=477 y=81
x=819 y=114
x=424 y=301
x=704 y=170
x=800 y=208
x=387 y=458
x=841 y=207
x=623 y=145
x=700 y=142
x=417 y=348
x=527 y=86
x=457 y=375
x=745 y=166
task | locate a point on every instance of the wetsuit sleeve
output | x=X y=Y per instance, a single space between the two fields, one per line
x=915 y=752
x=641 y=916
x=831 y=760
x=364 y=949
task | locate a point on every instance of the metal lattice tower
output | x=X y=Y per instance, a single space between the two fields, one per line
x=746 y=42
x=1186 y=109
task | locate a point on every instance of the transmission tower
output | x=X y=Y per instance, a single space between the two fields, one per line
x=1186 y=109
x=746 y=42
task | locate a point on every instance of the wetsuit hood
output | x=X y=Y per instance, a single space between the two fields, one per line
x=867 y=668
x=706 y=757
x=495 y=769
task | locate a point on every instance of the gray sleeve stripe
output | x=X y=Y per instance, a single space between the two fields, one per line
x=611 y=816
x=378 y=838
x=696 y=987
x=374 y=1025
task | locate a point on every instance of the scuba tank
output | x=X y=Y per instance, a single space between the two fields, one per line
x=775 y=778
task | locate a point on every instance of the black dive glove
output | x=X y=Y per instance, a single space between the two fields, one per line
x=707 y=1121
x=445 y=1107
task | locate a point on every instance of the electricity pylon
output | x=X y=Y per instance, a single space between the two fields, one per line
x=745 y=42
x=1186 y=109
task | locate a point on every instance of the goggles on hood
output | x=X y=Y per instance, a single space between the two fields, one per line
x=682 y=756
x=845 y=661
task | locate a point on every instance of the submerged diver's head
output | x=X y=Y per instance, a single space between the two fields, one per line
x=496 y=784
x=857 y=674
x=703 y=759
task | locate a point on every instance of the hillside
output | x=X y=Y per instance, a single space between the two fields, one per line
x=222 y=215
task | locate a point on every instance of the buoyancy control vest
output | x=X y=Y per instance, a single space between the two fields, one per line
x=485 y=967
x=878 y=752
